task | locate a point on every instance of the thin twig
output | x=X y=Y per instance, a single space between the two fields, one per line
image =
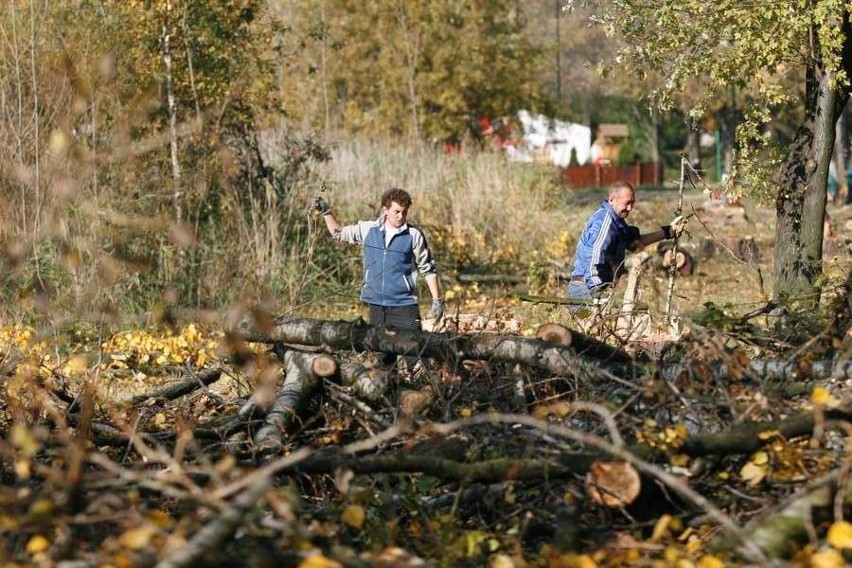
x=673 y=263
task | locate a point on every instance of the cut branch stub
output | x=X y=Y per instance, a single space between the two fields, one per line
x=613 y=484
x=554 y=333
x=324 y=366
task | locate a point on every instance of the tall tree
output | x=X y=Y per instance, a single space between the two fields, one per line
x=422 y=68
x=203 y=65
x=751 y=47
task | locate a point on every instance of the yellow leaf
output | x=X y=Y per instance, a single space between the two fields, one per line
x=160 y=519
x=37 y=544
x=821 y=396
x=767 y=434
x=753 y=473
x=23 y=468
x=354 y=516
x=559 y=409
x=760 y=458
x=661 y=528
x=319 y=561
x=840 y=535
x=710 y=561
x=465 y=412
x=159 y=420
x=137 y=538
x=680 y=460
x=827 y=559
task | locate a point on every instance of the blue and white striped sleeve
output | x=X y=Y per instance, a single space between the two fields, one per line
x=597 y=261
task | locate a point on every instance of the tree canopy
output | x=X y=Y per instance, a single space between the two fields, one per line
x=423 y=69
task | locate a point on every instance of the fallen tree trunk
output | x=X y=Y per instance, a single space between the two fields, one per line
x=745 y=438
x=765 y=369
x=302 y=376
x=358 y=336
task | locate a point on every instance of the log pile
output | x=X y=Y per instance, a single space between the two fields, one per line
x=569 y=425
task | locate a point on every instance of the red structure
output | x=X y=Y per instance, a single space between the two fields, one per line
x=598 y=175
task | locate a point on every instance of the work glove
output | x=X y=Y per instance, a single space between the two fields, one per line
x=322 y=205
x=675 y=228
x=437 y=311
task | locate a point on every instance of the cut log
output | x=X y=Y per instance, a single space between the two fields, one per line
x=683 y=262
x=613 y=484
x=359 y=336
x=554 y=333
x=300 y=384
x=413 y=403
x=766 y=368
x=323 y=366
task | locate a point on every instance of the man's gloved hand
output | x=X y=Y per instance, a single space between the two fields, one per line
x=675 y=228
x=322 y=205
x=437 y=311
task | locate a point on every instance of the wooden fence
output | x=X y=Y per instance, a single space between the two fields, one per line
x=595 y=175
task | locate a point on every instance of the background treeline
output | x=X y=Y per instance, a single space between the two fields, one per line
x=163 y=153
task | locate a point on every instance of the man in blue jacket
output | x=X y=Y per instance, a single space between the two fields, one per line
x=395 y=252
x=607 y=238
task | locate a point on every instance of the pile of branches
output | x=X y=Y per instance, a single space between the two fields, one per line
x=498 y=429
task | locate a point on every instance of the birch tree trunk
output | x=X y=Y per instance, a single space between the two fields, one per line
x=173 y=137
x=358 y=336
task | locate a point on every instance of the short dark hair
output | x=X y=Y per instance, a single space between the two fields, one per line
x=397 y=195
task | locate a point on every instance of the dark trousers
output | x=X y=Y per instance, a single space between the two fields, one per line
x=397 y=317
